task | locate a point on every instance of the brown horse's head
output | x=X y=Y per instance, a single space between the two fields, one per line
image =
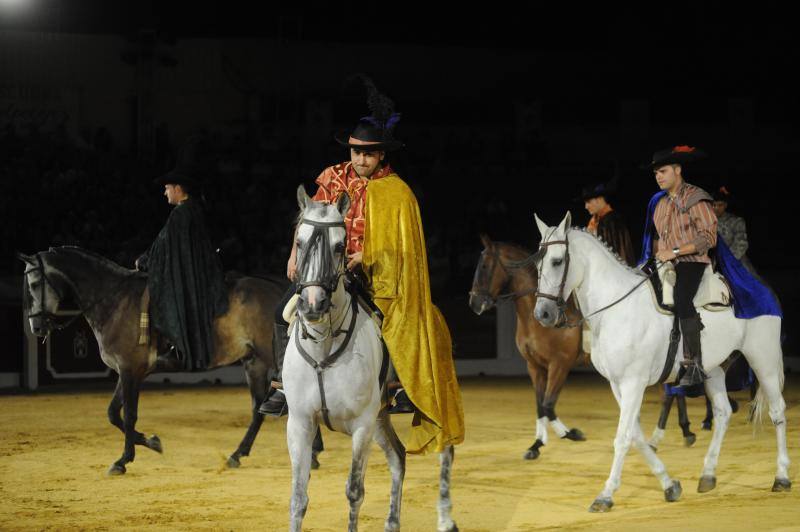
x=490 y=278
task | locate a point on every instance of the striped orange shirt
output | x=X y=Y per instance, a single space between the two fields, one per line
x=678 y=225
x=335 y=180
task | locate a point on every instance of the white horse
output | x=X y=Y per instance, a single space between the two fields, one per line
x=629 y=347
x=332 y=371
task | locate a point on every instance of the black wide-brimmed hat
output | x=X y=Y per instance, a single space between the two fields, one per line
x=722 y=194
x=607 y=190
x=676 y=155
x=180 y=175
x=374 y=132
x=187 y=170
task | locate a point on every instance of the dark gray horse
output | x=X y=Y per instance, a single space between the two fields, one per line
x=109 y=297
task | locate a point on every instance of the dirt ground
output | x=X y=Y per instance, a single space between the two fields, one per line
x=55 y=449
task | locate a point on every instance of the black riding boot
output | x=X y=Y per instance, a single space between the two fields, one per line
x=275 y=402
x=402 y=404
x=693 y=361
x=169 y=361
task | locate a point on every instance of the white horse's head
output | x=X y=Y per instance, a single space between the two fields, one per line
x=321 y=253
x=557 y=275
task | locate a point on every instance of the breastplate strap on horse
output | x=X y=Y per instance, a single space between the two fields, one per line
x=320 y=367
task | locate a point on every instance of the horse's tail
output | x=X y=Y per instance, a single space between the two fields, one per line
x=760 y=401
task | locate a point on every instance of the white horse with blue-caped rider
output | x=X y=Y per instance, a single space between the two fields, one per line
x=332 y=370
x=629 y=348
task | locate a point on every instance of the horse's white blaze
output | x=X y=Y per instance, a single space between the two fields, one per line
x=630 y=339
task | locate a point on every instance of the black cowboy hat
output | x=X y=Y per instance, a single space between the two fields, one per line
x=606 y=190
x=180 y=175
x=722 y=194
x=374 y=132
x=676 y=155
x=187 y=170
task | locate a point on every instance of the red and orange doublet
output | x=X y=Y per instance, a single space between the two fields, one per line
x=342 y=178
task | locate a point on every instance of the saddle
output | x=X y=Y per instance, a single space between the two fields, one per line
x=713 y=294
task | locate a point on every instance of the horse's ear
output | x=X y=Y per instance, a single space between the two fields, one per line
x=542 y=226
x=343 y=203
x=566 y=223
x=302 y=197
x=24 y=258
x=487 y=242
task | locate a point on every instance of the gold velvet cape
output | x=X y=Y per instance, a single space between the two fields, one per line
x=414 y=329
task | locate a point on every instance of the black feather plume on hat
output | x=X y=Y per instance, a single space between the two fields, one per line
x=381 y=106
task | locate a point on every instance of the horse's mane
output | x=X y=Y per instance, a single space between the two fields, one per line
x=94 y=257
x=604 y=245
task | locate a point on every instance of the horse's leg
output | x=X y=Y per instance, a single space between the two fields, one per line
x=629 y=395
x=538 y=377
x=354 y=490
x=114 y=407
x=299 y=435
x=715 y=389
x=672 y=488
x=658 y=432
x=770 y=383
x=130 y=402
x=556 y=375
x=683 y=421
x=257 y=374
x=446 y=458
x=709 y=415
x=396 y=457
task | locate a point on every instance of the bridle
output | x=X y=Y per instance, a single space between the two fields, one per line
x=561 y=303
x=329 y=272
x=508 y=268
x=51 y=320
x=47 y=316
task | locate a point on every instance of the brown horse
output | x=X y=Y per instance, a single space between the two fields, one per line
x=110 y=298
x=507 y=271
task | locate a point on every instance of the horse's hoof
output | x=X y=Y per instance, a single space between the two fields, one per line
x=232 y=462
x=575 y=435
x=689 y=440
x=706 y=484
x=782 y=484
x=154 y=443
x=601 y=505
x=391 y=525
x=116 y=470
x=673 y=493
x=452 y=528
x=314 y=461
x=706 y=425
x=531 y=454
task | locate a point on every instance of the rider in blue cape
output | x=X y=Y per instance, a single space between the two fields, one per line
x=681 y=227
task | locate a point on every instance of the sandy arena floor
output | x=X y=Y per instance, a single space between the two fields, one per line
x=55 y=449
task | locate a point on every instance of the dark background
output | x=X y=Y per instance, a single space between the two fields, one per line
x=505 y=112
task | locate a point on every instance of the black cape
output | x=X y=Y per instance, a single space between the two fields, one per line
x=612 y=230
x=187 y=285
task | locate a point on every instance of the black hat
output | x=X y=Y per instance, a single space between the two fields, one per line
x=722 y=194
x=374 y=132
x=606 y=190
x=187 y=170
x=676 y=155
x=180 y=175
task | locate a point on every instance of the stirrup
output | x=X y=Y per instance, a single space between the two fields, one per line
x=274 y=405
x=694 y=375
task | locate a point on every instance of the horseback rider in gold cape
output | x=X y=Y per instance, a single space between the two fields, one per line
x=386 y=251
